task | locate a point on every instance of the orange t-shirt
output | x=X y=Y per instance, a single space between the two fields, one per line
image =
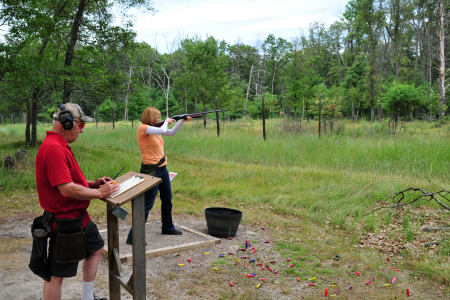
x=152 y=146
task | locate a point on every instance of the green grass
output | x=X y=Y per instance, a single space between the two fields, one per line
x=303 y=184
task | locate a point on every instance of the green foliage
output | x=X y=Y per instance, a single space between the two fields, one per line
x=400 y=98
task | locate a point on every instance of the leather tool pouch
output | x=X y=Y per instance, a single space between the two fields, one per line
x=70 y=240
x=40 y=230
x=151 y=169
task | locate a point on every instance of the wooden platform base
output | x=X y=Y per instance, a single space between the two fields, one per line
x=161 y=251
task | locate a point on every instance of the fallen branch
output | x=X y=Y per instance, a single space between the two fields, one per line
x=435 y=228
x=400 y=196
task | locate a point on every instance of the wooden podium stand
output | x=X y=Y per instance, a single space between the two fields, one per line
x=136 y=285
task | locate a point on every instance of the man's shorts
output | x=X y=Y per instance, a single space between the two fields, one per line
x=94 y=242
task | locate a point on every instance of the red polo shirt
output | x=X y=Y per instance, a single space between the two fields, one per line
x=55 y=165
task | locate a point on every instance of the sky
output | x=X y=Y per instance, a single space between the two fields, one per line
x=244 y=20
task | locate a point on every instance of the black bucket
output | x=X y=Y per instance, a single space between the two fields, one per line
x=222 y=222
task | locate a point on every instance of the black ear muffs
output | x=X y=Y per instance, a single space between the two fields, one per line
x=65 y=118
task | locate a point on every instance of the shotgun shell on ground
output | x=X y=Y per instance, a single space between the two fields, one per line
x=311 y=284
x=373 y=276
x=180 y=265
x=244 y=257
x=267 y=242
x=407 y=292
x=230 y=238
x=259 y=264
x=273 y=262
x=357 y=273
x=394 y=279
x=253 y=251
x=396 y=270
x=298 y=279
x=251 y=261
x=206 y=253
x=349 y=288
x=216 y=269
x=270 y=269
x=289 y=259
x=230 y=253
x=245 y=265
x=388 y=259
x=337 y=292
x=263 y=279
x=314 y=278
x=291 y=265
x=259 y=284
x=276 y=272
x=221 y=255
x=243 y=249
x=326 y=292
x=231 y=283
x=368 y=282
x=263 y=267
x=189 y=260
x=387 y=284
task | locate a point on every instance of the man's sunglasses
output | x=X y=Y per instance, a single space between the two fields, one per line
x=81 y=125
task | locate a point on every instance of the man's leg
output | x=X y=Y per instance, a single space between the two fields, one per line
x=52 y=289
x=90 y=266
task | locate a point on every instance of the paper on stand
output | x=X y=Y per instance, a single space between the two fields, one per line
x=128 y=184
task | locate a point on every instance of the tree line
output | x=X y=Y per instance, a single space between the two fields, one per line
x=382 y=59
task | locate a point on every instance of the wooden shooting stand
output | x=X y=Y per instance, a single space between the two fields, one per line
x=136 y=285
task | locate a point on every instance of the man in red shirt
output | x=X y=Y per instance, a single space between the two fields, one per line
x=64 y=191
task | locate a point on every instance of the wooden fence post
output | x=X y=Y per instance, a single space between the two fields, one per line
x=264 y=118
x=320 y=111
x=113 y=116
x=217 y=118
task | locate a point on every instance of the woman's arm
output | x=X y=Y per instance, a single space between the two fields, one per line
x=174 y=130
x=163 y=130
x=157 y=130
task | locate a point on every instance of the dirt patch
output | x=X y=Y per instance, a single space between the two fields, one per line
x=165 y=278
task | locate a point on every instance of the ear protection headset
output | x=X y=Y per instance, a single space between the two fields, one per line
x=65 y=118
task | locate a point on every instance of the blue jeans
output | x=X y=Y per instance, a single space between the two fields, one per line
x=165 y=193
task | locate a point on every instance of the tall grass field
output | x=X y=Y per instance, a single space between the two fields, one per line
x=293 y=179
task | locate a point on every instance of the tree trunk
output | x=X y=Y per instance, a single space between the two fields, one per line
x=442 y=60
x=71 y=47
x=273 y=77
x=34 y=120
x=27 y=127
x=127 y=95
x=248 y=90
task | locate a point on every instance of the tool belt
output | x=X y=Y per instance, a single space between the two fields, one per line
x=70 y=243
x=150 y=169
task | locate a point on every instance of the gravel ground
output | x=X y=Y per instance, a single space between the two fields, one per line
x=165 y=278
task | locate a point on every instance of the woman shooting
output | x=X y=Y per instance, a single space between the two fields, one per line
x=154 y=163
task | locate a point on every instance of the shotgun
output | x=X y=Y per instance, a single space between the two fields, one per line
x=184 y=117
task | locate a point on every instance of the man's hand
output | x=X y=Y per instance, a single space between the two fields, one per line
x=108 y=188
x=99 y=182
x=79 y=192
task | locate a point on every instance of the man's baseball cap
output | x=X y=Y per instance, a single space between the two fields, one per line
x=75 y=110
